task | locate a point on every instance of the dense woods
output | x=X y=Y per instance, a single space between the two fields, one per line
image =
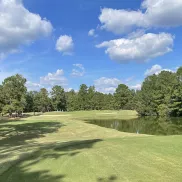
x=160 y=95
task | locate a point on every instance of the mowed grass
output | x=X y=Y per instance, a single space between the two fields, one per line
x=63 y=147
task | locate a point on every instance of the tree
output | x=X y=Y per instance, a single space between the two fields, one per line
x=42 y=101
x=156 y=95
x=83 y=97
x=58 y=98
x=1 y=98
x=122 y=96
x=71 y=98
x=32 y=102
x=176 y=96
x=14 y=91
x=179 y=73
x=98 y=100
x=91 y=93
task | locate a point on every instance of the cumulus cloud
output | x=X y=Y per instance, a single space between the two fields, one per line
x=92 y=33
x=140 y=49
x=120 y=21
x=65 y=45
x=154 y=13
x=156 y=69
x=106 y=85
x=78 y=71
x=56 y=78
x=136 y=87
x=136 y=34
x=19 y=26
x=33 y=86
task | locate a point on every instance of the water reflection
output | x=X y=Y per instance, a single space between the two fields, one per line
x=144 y=125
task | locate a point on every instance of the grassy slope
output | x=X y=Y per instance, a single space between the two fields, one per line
x=69 y=149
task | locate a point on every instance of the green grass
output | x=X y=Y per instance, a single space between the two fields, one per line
x=62 y=147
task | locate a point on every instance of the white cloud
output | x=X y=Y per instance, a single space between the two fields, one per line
x=120 y=21
x=157 y=13
x=136 y=34
x=65 y=45
x=140 y=49
x=136 y=87
x=33 y=86
x=92 y=33
x=106 y=85
x=156 y=69
x=56 y=78
x=130 y=79
x=79 y=66
x=68 y=89
x=78 y=71
x=19 y=26
x=163 y=13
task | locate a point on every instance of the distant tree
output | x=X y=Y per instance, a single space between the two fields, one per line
x=42 y=101
x=131 y=105
x=83 y=97
x=156 y=94
x=91 y=93
x=98 y=101
x=122 y=96
x=1 y=98
x=160 y=95
x=109 y=102
x=29 y=101
x=176 y=96
x=14 y=91
x=58 y=98
x=179 y=73
x=72 y=103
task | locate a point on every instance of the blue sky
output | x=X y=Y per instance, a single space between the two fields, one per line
x=98 y=42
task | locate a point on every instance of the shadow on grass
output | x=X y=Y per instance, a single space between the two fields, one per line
x=16 y=135
x=109 y=179
x=76 y=145
x=70 y=149
x=19 y=174
x=7 y=119
x=40 y=167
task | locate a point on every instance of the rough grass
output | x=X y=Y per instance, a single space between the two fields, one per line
x=64 y=148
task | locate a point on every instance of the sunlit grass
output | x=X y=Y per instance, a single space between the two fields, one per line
x=61 y=146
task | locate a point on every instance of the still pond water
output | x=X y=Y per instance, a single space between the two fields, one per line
x=152 y=126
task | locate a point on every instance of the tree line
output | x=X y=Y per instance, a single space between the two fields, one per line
x=160 y=95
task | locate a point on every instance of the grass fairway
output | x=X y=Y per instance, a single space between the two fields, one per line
x=62 y=147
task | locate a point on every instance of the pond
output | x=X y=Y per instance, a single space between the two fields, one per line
x=144 y=125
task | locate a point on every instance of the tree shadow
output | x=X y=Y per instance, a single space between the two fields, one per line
x=112 y=178
x=70 y=149
x=18 y=174
x=76 y=145
x=15 y=135
x=32 y=170
x=7 y=119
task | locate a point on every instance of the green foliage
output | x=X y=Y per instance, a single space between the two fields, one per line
x=163 y=110
x=1 y=98
x=58 y=98
x=123 y=96
x=160 y=95
x=14 y=90
x=42 y=101
x=71 y=98
x=83 y=97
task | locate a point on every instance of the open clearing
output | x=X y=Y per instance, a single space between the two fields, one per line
x=65 y=148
